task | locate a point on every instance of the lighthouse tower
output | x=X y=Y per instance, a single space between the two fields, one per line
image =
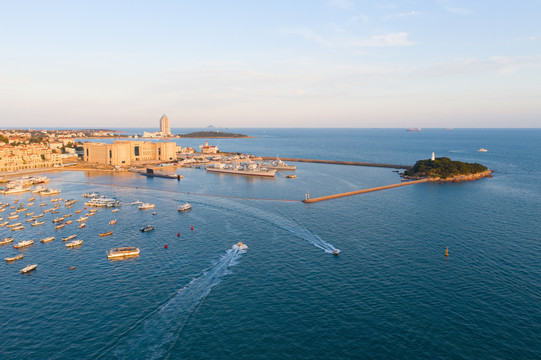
x=433 y=157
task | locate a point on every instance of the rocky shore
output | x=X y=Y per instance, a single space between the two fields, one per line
x=458 y=178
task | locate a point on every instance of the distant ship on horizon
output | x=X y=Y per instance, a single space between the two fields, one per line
x=414 y=129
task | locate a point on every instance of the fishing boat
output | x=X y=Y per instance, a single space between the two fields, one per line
x=29 y=220
x=69 y=237
x=43 y=204
x=55 y=212
x=38 y=223
x=32 y=199
x=15 y=190
x=184 y=207
x=4 y=223
x=47 y=239
x=147 y=228
x=68 y=215
x=12 y=217
x=28 y=268
x=39 y=189
x=291 y=176
x=137 y=202
x=91 y=195
x=115 y=210
x=74 y=243
x=82 y=225
x=14 y=225
x=78 y=211
x=482 y=150
x=112 y=222
x=146 y=206
x=37 y=216
x=81 y=219
x=13 y=258
x=122 y=252
x=92 y=211
x=106 y=233
x=6 y=240
x=58 y=220
x=50 y=192
x=30 y=204
x=240 y=246
x=68 y=222
x=29 y=214
x=61 y=226
x=24 y=243
x=17 y=228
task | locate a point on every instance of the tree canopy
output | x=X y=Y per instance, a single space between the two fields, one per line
x=444 y=167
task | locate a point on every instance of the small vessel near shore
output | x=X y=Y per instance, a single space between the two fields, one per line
x=50 y=192
x=147 y=228
x=122 y=252
x=17 y=228
x=74 y=243
x=81 y=219
x=108 y=233
x=137 y=202
x=249 y=169
x=291 y=176
x=13 y=258
x=69 y=237
x=24 y=243
x=61 y=226
x=47 y=239
x=184 y=207
x=146 y=206
x=6 y=240
x=28 y=268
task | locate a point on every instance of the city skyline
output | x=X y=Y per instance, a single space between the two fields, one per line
x=329 y=63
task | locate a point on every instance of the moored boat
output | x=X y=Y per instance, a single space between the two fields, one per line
x=6 y=240
x=47 y=239
x=81 y=219
x=112 y=222
x=69 y=237
x=146 y=206
x=17 y=228
x=482 y=150
x=13 y=258
x=82 y=225
x=38 y=223
x=122 y=252
x=147 y=228
x=61 y=226
x=74 y=243
x=106 y=233
x=184 y=207
x=68 y=222
x=28 y=268
x=24 y=243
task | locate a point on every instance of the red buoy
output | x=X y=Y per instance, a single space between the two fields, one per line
x=165 y=247
x=178 y=235
x=192 y=227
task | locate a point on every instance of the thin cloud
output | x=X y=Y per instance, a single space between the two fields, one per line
x=342 y=4
x=343 y=41
x=447 y=5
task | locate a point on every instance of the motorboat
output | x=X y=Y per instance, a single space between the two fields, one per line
x=47 y=239
x=74 y=243
x=13 y=258
x=69 y=222
x=71 y=237
x=6 y=240
x=4 y=223
x=28 y=268
x=106 y=233
x=147 y=228
x=14 y=225
x=78 y=211
x=336 y=252
x=38 y=223
x=240 y=246
x=81 y=219
x=58 y=220
x=482 y=150
x=137 y=202
x=50 y=192
x=82 y=225
x=146 y=206
x=17 y=228
x=91 y=195
x=115 y=210
x=12 y=217
x=122 y=252
x=61 y=226
x=184 y=207
x=24 y=243
x=112 y=222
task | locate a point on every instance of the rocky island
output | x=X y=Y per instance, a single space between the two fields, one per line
x=445 y=169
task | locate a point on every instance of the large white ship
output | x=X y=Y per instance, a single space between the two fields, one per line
x=279 y=165
x=250 y=169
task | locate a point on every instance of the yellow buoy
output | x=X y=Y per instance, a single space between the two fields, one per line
x=447 y=251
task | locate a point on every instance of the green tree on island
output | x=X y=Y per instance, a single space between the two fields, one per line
x=443 y=167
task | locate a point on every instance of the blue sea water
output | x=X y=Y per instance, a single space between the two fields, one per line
x=390 y=294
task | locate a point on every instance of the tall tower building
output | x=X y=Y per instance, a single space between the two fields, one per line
x=164 y=125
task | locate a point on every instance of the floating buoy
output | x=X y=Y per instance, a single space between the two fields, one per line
x=192 y=227
x=447 y=251
x=165 y=247
x=178 y=235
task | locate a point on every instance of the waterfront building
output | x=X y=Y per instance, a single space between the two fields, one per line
x=208 y=149
x=164 y=126
x=24 y=157
x=121 y=153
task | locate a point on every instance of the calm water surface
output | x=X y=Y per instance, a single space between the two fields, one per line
x=390 y=294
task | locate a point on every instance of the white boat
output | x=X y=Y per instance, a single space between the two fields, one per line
x=4 y=223
x=146 y=206
x=13 y=258
x=14 y=225
x=50 y=192
x=138 y=202
x=47 y=239
x=15 y=190
x=115 y=210
x=74 y=243
x=39 y=189
x=249 y=169
x=91 y=195
x=184 y=207
x=279 y=165
x=38 y=223
x=28 y=268
x=24 y=243
x=6 y=240
x=112 y=222
x=122 y=252
x=147 y=228
x=240 y=246
x=69 y=237
x=482 y=150
x=81 y=219
x=17 y=228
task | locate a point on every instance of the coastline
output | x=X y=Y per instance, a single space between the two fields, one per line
x=458 y=178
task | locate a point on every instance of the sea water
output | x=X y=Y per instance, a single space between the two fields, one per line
x=390 y=294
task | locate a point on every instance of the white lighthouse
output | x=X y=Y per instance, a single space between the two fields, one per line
x=433 y=157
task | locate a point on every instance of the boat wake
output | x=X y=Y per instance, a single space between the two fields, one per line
x=155 y=336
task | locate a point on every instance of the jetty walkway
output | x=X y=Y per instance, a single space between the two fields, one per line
x=335 y=196
x=337 y=162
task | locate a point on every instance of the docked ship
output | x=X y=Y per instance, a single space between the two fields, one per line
x=279 y=165
x=15 y=190
x=249 y=169
x=122 y=252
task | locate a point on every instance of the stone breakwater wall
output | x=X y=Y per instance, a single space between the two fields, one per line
x=337 y=162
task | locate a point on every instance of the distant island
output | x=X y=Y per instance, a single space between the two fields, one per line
x=445 y=169
x=212 y=134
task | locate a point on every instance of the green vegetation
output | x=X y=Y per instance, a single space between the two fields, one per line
x=443 y=167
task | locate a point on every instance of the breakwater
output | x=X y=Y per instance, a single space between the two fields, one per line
x=337 y=162
x=335 y=196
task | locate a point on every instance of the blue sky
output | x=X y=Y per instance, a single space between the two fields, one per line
x=317 y=63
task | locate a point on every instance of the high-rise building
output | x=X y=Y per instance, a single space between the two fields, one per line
x=164 y=125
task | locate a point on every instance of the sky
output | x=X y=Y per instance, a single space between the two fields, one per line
x=294 y=63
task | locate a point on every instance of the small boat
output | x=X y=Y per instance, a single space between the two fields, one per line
x=37 y=216
x=22 y=244
x=240 y=246
x=146 y=206
x=43 y=204
x=78 y=211
x=72 y=268
x=47 y=239
x=112 y=222
x=184 y=207
x=336 y=252
x=14 y=225
x=91 y=195
x=38 y=223
x=6 y=240
x=29 y=220
x=81 y=219
x=122 y=252
x=115 y=210
x=90 y=214
x=68 y=215
x=92 y=211
x=58 y=220
x=61 y=226
x=82 y=225
x=55 y=212
x=17 y=228
x=69 y=237
x=447 y=251
x=291 y=176
x=106 y=233
x=74 y=243
x=4 y=223
x=137 y=202
x=482 y=150
x=154 y=213
x=13 y=258
x=32 y=199
x=147 y=228
x=12 y=217
x=29 y=214
x=28 y=268
x=69 y=222
x=30 y=204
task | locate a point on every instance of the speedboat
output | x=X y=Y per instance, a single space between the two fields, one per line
x=184 y=207
x=240 y=246
x=482 y=150
x=336 y=252
x=28 y=268
x=112 y=222
x=147 y=228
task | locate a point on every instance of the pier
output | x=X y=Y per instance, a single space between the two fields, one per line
x=335 y=196
x=337 y=162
